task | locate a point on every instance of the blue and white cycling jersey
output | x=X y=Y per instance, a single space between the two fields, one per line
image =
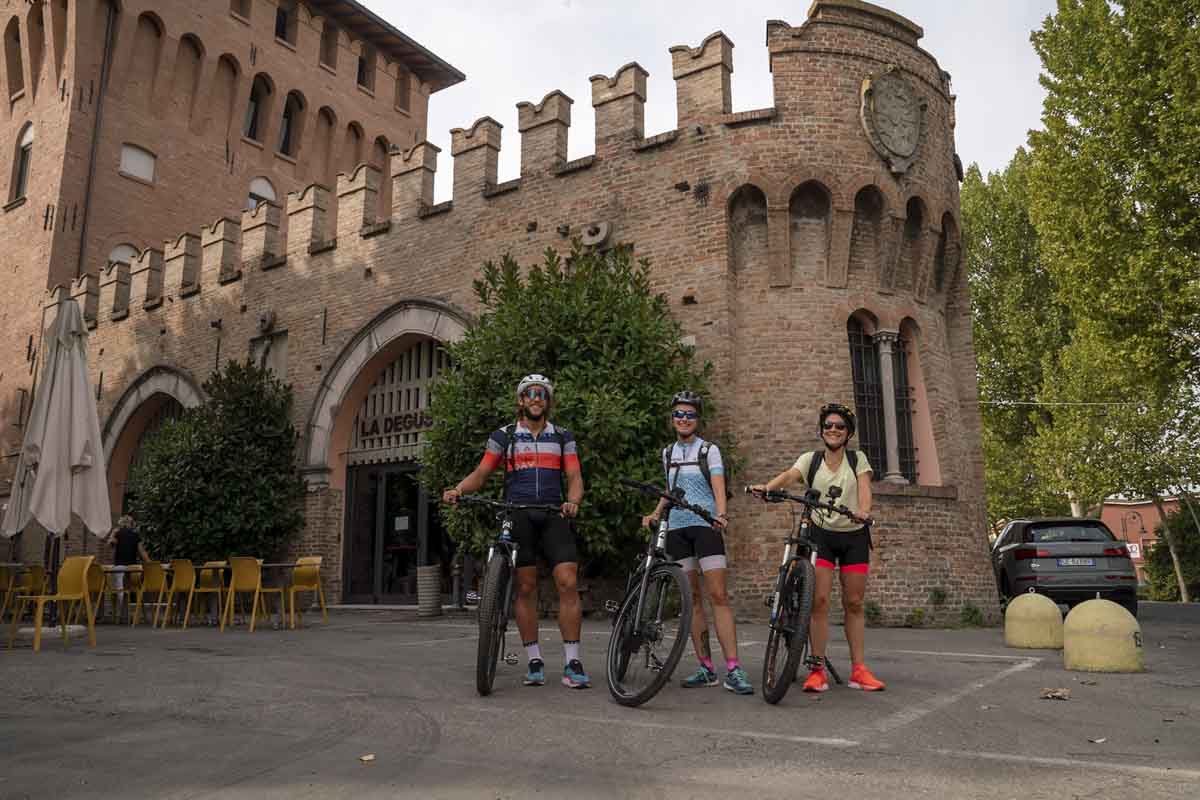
x=691 y=479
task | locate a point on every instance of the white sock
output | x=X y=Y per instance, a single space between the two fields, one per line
x=533 y=651
x=571 y=651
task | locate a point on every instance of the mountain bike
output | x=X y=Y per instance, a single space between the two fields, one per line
x=651 y=625
x=495 y=601
x=792 y=601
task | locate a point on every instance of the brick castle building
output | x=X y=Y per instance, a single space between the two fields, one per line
x=810 y=249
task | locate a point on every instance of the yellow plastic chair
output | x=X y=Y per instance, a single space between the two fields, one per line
x=183 y=581
x=96 y=584
x=247 y=579
x=22 y=580
x=306 y=577
x=72 y=589
x=154 y=579
x=212 y=581
x=8 y=581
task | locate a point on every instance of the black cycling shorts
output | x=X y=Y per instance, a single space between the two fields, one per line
x=850 y=551
x=697 y=545
x=545 y=533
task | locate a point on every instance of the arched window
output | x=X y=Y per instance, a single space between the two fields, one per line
x=285 y=21
x=747 y=221
x=403 y=88
x=808 y=229
x=22 y=163
x=329 y=44
x=352 y=149
x=13 y=63
x=137 y=162
x=868 y=391
x=260 y=190
x=291 y=126
x=323 y=140
x=260 y=92
x=125 y=253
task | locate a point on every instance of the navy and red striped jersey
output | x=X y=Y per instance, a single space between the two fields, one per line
x=534 y=465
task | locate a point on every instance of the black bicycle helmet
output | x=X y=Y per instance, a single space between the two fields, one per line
x=689 y=398
x=843 y=411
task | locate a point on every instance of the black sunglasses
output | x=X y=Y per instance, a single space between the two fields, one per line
x=680 y=414
x=535 y=394
x=834 y=426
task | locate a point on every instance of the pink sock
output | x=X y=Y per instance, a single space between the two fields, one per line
x=732 y=664
x=707 y=663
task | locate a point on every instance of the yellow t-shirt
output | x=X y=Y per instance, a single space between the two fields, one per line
x=843 y=478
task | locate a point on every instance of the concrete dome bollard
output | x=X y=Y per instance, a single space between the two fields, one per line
x=1102 y=636
x=1033 y=621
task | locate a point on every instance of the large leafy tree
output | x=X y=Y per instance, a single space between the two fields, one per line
x=590 y=322
x=1164 y=566
x=1020 y=326
x=221 y=479
x=1116 y=181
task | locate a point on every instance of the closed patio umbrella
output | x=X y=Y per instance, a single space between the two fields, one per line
x=61 y=471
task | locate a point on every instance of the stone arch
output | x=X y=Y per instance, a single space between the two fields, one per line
x=810 y=211
x=134 y=410
x=354 y=370
x=852 y=185
x=746 y=225
x=867 y=234
x=827 y=178
x=912 y=243
x=352 y=148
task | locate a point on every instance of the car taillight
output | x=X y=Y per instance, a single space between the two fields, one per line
x=1120 y=551
x=1025 y=553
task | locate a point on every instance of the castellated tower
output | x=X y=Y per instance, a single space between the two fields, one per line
x=129 y=119
x=810 y=249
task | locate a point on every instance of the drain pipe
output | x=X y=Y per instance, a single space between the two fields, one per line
x=109 y=19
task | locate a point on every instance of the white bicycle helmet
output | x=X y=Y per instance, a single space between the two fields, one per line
x=536 y=379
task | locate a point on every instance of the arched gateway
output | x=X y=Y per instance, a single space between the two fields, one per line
x=364 y=437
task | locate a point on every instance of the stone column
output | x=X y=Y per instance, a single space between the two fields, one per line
x=887 y=341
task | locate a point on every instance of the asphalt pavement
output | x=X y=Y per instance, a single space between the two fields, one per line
x=291 y=714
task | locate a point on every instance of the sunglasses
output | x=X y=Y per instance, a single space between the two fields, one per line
x=535 y=394
x=685 y=415
x=834 y=426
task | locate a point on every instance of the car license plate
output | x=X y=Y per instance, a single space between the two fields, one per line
x=1077 y=562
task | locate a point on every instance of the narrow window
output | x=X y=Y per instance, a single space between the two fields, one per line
x=285 y=21
x=259 y=92
x=904 y=408
x=137 y=163
x=403 y=89
x=366 y=68
x=12 y=58
x=329 y=44
x=240 y=7
x=868 y=393
x=260 y=190
x=23 y=162
x=289 y=126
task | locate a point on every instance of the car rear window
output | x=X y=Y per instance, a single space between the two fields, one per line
x=1070 y=532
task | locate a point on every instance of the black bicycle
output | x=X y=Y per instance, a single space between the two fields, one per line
x=495 y=601
x=792 y=601
x=651 y=625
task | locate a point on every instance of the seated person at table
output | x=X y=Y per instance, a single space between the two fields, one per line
x=127 y=551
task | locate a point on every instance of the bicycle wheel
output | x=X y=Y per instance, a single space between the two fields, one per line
x=788 y=638
x=493 y=618
x=644 y=650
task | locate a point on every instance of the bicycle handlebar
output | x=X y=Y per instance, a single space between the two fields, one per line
x=672 y=499
x=487 y=502
x=811 y=498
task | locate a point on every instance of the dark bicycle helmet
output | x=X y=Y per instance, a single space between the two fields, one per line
x=688 y=398
x=843 y=411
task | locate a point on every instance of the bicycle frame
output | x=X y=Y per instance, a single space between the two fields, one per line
x=792 y=548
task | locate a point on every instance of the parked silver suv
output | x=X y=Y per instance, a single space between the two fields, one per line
x=1069 y=560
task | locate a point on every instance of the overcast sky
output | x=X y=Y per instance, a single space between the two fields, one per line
x=518 y=51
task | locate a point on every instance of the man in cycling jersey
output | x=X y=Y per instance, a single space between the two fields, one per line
x=537 y=455
x=696 y=545
x=842 y=543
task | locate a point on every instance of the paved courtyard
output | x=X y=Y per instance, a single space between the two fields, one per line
x=282 y=714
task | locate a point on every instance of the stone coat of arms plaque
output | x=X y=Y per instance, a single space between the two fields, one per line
x=893 y=116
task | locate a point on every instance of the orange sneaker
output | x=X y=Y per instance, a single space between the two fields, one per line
x=861 y=678
x=816 y=681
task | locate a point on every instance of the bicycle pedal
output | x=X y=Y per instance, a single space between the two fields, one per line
x=769 y=600
x=512 y=659
x=612 y=606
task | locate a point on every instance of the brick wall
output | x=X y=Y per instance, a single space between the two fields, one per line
x=764 y=303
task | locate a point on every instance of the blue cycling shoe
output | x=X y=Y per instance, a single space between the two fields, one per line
x=573 y=675
x=536 y=676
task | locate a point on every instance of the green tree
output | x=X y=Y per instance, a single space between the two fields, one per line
x=1181 y=528
x=591 y=323
x=221 y=479
x=1115 y=181
x=1019 y=325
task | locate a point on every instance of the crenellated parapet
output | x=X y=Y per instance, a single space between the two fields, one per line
x=620 y=104
x=476 y=153
x=702 y=79
x=544 y=128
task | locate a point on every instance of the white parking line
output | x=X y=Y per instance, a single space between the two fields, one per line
x=911 y=714
x=1076 y=763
